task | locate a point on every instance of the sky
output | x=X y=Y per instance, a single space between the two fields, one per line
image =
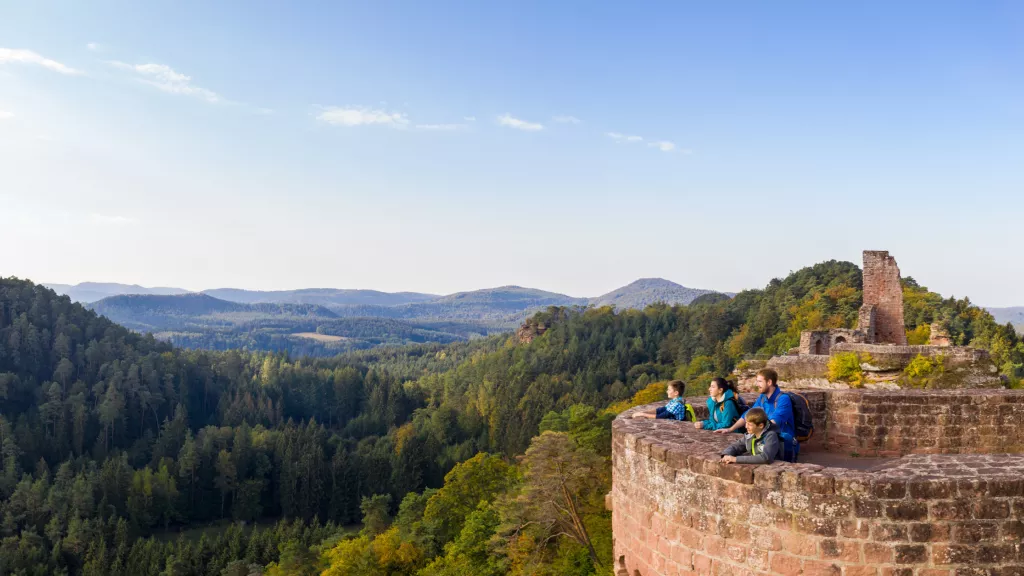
x=571 y=146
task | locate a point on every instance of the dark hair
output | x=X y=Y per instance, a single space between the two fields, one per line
x=678 y=386
x=723 y=384
x=769 y=374
x=755 y=416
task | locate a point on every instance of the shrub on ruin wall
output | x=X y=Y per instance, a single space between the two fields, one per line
x=921 y=372
x=751 y=365
x=919 y=336
x=845 y=367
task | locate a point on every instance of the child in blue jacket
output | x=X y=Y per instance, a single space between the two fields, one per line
x=676 y=409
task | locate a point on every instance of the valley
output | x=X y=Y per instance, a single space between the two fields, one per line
x=113 y=439
x=341 y=320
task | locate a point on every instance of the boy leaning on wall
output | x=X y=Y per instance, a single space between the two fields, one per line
x=676 y=409
x=760 y=445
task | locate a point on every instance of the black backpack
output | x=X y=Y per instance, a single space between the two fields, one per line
x=741 y=404
x=803 y=422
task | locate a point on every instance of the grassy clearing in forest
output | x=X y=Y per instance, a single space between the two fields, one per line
x=320 y=337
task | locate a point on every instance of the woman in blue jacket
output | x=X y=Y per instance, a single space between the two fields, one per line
x=722 y=410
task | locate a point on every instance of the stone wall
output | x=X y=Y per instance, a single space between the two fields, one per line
x=925 y=422
x=799 y=367
x=900 y=356
x=883 y=291
x=813 y=342
x=820 y=342
x=677 y=510
x=963 y=367
x=866 y=322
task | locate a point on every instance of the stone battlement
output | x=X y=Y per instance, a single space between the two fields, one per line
x=949 y=502
x=902 y=355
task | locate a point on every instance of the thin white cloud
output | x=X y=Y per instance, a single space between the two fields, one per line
x=94 y=47
x=4 y=115
x=662 y=145
x=623 y=137
x=469 y=118
x=362 y=116
x=30 y=57
x=112 y=220
x=508 y=120
x=164 y=78
x=566 y=119
x=440 y=127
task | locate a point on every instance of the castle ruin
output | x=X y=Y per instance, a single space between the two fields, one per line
x=881 y=315
x=880 y=335
x=894 y=482
x=880 y=320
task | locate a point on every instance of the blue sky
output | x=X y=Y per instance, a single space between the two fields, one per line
x=571 y=146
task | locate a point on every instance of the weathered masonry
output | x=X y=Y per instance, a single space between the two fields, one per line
x=948 y=500
x=880 y=340
x=881 y=315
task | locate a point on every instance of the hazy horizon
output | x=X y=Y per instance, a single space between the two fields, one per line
x=191 y=290
x=399 y=146
x=593 y=295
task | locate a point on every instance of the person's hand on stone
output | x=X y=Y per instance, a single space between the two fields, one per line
x=722 y=431
x=728 y=459
x=698 y=425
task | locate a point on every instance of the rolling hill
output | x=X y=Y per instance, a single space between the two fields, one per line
x=283 y=320
x=86 y=292
x=197 y=320
x=1014 y=315
x=647 y=291
x=321 y=296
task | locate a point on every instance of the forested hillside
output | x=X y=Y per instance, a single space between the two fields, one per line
x=320 y=296
x=201 y=321
x=109 y=440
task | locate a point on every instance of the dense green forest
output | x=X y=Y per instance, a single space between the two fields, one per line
x=201 y=321
x=110 y=442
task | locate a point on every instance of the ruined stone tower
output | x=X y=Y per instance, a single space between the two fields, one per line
x=881 y=316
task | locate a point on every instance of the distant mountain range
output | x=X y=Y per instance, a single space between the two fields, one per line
x=94 y=291
x=638 y=294
x=326 y=320
x=1014 y=315
x=322 y=296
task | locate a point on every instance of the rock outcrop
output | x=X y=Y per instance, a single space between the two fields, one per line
x=530 y=330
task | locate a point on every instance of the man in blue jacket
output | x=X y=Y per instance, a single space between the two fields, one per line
x=778 y=408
